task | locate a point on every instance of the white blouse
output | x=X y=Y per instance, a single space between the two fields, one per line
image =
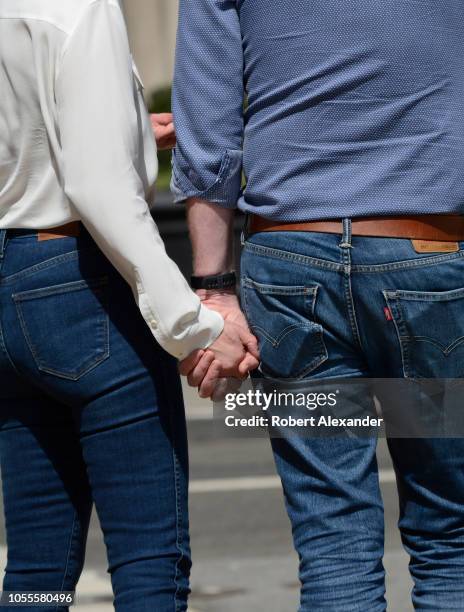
x=76 y=144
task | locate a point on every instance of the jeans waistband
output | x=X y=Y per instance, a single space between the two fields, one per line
x=13 y=233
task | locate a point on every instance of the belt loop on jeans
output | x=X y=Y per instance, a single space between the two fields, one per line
x=346 y=237
x=2 y=242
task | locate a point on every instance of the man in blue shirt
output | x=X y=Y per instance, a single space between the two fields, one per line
x=346 y=120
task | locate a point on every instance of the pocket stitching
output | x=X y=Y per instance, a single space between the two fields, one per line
x=40 y=267
x=426 y=296
x=399 y=323
x=266 y=289
x=31 y=294
x=285 y=332
x=102 y=354
x=249 y=283
x=446 y=350
x=393 y=300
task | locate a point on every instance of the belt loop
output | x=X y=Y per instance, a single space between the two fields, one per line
x=2 y=242
x=346 y=237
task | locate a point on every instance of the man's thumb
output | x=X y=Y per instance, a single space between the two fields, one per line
x=249 y=342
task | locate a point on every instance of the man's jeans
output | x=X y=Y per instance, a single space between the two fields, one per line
x=339 y=306
x=91 y=411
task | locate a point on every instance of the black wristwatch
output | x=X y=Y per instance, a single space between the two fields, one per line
x=219 y=281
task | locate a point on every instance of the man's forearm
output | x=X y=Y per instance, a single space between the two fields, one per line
x=212 y=236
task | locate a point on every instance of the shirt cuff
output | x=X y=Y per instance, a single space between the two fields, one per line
x=202 y=332
x=224 y=189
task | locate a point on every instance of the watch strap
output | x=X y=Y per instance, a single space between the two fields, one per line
x=218 y=281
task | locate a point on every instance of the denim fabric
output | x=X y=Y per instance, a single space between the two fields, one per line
x=91 y=411
x=317 y=304
x=353 y=107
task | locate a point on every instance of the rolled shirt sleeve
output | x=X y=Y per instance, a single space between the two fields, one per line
x=99 y=127
x=208 y=98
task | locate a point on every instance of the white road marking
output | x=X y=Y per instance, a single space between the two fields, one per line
x=256 y=483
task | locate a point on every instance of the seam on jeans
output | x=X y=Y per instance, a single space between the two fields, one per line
x=74 y=375
x=352 y=312
x=178 y=526
x=296 y=257
x=446 y=350
x=3 y=241
x=311 y=291
x=268 y=289
x=101 y=355
x=426 y=296
x=60 y=289
x=178 y=507
x=43 y=265
x=331 y=265
x=403 y=265
x=68 y=555
x=284 y=333
x=347 y=268
x=315 y=363
x=397 y=322
x=6 y=352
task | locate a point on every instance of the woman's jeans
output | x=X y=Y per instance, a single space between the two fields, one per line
x=326 y=306
x=91 y=412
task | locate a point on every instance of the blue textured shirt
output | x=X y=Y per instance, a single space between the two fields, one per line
x=354 y=107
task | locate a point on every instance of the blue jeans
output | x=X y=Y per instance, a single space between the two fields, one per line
x=327 y=306
x=91 y=411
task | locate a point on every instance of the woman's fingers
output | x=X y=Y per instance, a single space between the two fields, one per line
x=206 y=388
x=188 y=364
x=198 y=373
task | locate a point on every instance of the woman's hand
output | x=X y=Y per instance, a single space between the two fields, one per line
x=234 y=354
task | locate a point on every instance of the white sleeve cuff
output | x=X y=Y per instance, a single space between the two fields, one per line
x=199 y=334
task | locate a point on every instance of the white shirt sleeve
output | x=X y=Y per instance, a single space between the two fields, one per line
x=99 y=133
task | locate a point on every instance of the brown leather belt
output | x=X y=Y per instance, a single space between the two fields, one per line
x=63 y=231
x=443 y=228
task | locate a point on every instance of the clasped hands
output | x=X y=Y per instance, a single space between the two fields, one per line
x=235 y=353
x=232 y=356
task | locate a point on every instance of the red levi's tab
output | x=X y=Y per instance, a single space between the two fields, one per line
x=388 y=313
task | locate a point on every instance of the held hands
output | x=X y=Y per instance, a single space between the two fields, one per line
x=163 y=129
x=234 y=354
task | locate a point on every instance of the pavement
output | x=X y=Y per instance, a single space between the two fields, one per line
x=241 y=543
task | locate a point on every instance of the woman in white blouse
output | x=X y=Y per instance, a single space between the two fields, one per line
x=90 y=404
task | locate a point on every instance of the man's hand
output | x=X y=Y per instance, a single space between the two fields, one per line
x=233 y=354
x=202 y=368
x=212 y=236
x=163 y=128
x=226 y=303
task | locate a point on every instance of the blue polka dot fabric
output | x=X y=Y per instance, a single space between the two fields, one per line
x=310 y=109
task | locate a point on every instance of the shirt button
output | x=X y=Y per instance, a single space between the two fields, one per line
x=153 y=324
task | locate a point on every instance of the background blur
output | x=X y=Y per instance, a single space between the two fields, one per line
x=241 y=542
x=152 y=29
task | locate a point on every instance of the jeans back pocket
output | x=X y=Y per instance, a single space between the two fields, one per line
x=282 y=318
x=66 y=326
x=430 y=327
